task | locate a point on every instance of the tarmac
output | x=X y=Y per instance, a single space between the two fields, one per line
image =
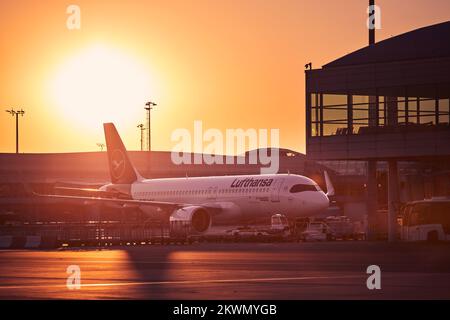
x=242 y=271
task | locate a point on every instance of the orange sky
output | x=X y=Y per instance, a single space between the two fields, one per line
x=231 y=64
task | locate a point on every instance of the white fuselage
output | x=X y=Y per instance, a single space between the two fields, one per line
x=238 y=197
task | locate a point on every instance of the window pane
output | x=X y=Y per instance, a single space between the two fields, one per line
x=334 y=114
x=334 y=121
x=427 y=111
x=313 y=99
x=401 y=109
x=360 y=99
x=412 y=110
x=444 y=111
x=334 y=99
x=360 y=113
x=315 y=116
x=381 y=112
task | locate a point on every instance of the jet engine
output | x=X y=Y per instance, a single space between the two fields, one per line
x=190 y=220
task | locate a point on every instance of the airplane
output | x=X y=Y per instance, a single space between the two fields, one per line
x=201 y=202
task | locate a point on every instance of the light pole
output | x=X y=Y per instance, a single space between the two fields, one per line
x=149 y=107
x=142 y=129
x=372 y=28
x=16 y=113
x=101 y=146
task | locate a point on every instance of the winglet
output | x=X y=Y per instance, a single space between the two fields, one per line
x=329 y=185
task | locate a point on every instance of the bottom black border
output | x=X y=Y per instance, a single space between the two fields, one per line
x=165 y=309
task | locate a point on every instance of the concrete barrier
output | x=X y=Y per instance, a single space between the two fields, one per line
x=28 y=242
x=33 y=242
x=18 y=242
x=6 y=242
x=49 y=243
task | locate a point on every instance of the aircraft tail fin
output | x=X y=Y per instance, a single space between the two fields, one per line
x=121 y=169
x=329 y=185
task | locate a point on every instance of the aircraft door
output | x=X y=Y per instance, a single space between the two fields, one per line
x=212 y=193
x=275 y=189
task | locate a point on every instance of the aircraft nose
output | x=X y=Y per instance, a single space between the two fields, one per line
x=317 y=202
x=321 y=203
x=324 y=201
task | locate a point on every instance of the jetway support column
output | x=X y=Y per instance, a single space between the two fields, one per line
x=372 y=198
x=392 y=200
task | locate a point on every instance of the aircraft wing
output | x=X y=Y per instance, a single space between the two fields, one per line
x=86 y=192
x=124 y=202
x=212 y=207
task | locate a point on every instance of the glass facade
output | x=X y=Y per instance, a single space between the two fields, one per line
x=405 y=108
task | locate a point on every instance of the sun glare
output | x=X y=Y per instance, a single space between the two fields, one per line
x=101 y=85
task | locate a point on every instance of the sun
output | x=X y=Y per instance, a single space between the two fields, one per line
x=101 y=84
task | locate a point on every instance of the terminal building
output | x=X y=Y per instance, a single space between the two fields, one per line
x=385 y=104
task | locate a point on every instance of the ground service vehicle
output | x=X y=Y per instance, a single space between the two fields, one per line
x=426 y=220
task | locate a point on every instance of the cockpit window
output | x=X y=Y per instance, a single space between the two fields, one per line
x=302 y=187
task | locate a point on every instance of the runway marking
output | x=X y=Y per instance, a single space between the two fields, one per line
x=181 y=282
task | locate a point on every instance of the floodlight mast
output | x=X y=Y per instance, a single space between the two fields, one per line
x=15 y=113
x=149 y=107
x=101 y=145
x=141 y=129
x=372 y=27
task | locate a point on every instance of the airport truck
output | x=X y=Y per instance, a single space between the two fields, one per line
x=341 y=227
x=426 y=220
x=316 y=231
x=280 y=224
